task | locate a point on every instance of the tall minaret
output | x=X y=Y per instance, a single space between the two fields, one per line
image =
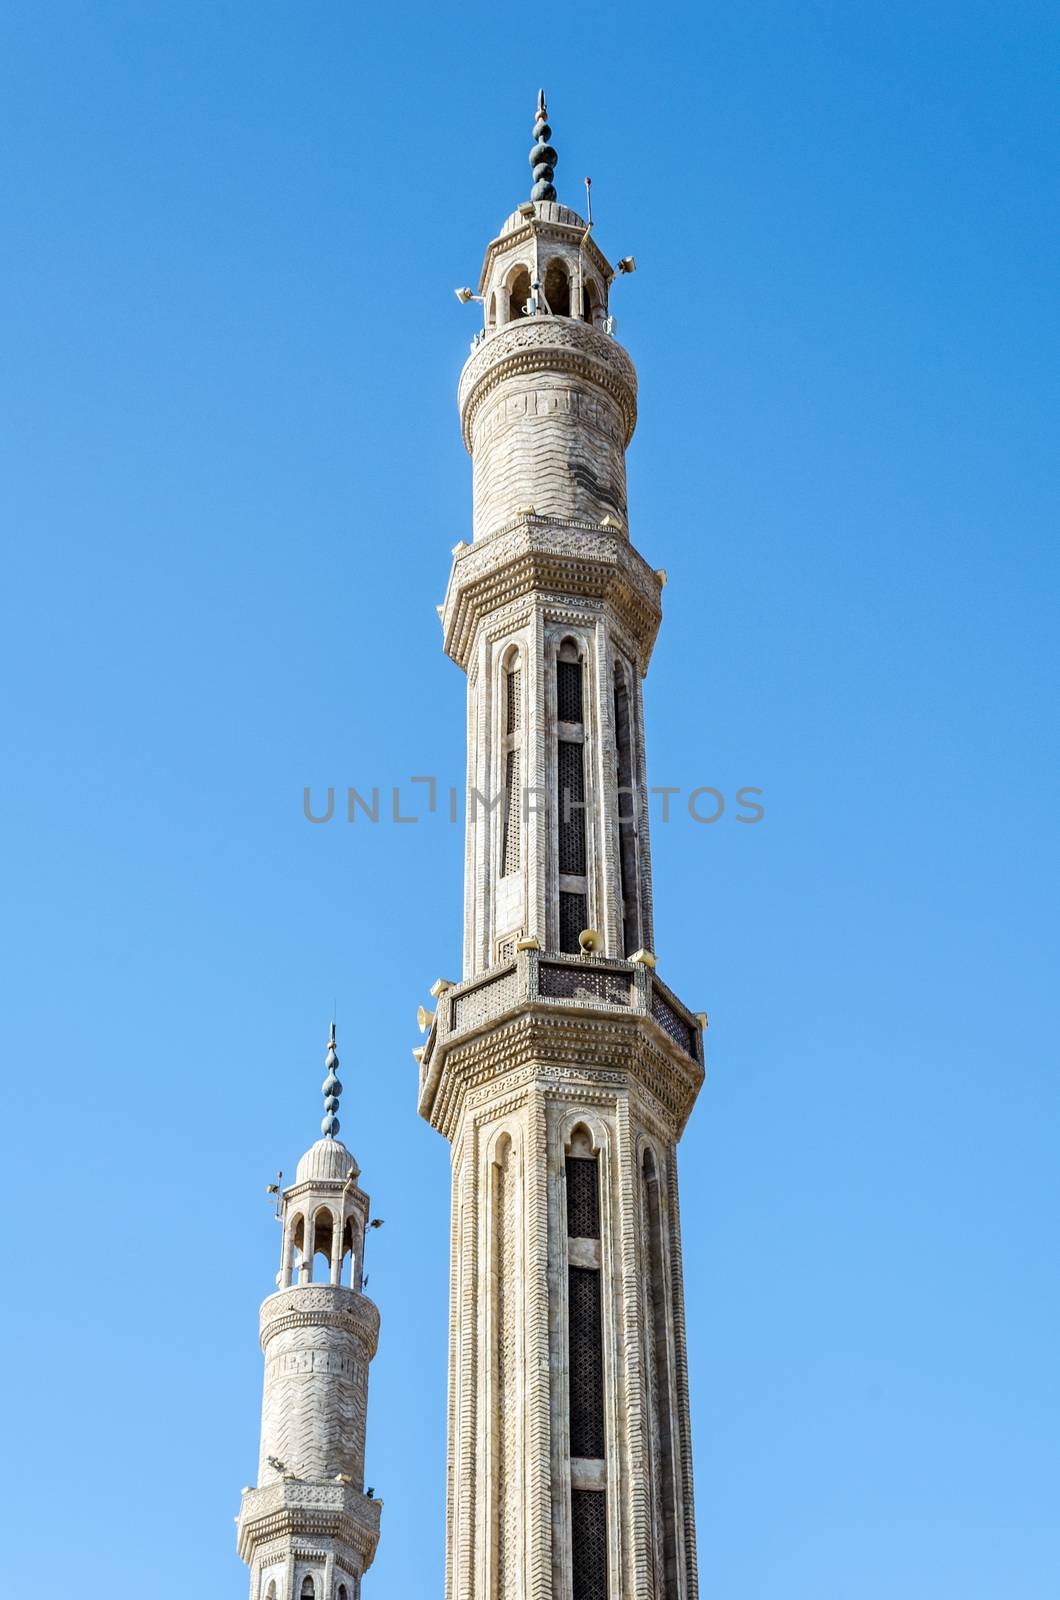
x=561 y=1068
x=308 y=1531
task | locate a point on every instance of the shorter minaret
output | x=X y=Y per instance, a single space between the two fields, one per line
x=309 y=1531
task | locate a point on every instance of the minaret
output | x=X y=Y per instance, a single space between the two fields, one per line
x=561 y=1067
x=308 y=1531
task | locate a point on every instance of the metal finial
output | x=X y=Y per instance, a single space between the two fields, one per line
x=542 y=157
x=331 y=1089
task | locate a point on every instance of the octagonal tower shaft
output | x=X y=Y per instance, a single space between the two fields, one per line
x=562 y=1071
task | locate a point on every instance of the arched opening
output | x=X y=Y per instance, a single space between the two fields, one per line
x=589 y=299
x=557 y=288
x=491 y=323
x=518 y=293
x=309 y=1589
x=343 y=1593
x=349 y=1248
x=270 y=1592
x=323 y=1240
x=301 y=1268
x=583 y=1187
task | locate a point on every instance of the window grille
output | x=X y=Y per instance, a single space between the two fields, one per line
x=569 y=691
x=580 y=983
x=586 y=1363
x=513 y=708
x=571 y=808
x=583 y=1198
x=571 y=922
x=512 y=815
x=589 y=1544
x=627 y=841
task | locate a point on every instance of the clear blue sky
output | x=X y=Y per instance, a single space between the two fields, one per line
x=231 y=479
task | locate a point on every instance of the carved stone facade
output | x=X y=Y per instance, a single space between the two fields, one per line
x=560 y=1068
x=308 y=1531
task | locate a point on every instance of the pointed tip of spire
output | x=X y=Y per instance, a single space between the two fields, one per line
x=542 y=157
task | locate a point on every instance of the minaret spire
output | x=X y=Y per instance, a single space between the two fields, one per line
x=561 y=1067
x=308 y=1530
x=331 y=1088
x=542 y=157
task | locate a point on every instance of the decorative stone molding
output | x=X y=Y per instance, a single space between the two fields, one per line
x=552 y=345
x=566 y=563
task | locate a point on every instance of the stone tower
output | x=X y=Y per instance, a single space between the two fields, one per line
x=309 y=1531
x=561 y=1067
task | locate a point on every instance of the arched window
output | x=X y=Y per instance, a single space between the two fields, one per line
x=511 y=763
x=270 y=1592
x=518 y=293
x=309 y=1589
x=303 y=1269
x=491 y=323
x=323 y=1239
x=557 y=288
x=589 y=299
x=343 y=1593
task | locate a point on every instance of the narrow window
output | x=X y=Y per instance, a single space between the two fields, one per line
x=588 y=1509
x=572 y=809
x=342 y=1594
x=573 y=919
x=588 y=300
x=308 y=1589
x=511 y=741
x=583 y=1198
x=627 y=839
x=569 y=690
x=586 y=1364
x=657 y=1345
x=570 y=798
x=270 y=1592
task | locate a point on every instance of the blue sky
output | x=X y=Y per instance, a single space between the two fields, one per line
x=231 y=477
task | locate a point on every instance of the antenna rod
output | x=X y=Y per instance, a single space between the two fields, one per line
x=589 y=202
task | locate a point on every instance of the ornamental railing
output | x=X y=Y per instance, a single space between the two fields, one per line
x=584 y=984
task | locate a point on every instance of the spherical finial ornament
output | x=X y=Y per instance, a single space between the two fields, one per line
x=542 y=157
x=331 y=1088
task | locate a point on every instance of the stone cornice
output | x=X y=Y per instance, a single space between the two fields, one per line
x=291 y=1509
x=321 y=1305
x=547 y=344
x=505 y=1028
x=535 y=556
